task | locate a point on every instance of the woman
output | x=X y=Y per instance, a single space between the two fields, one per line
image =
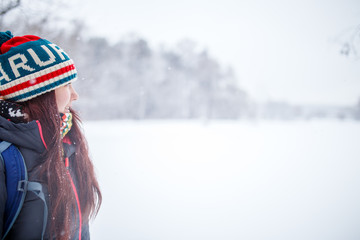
x=35 y=115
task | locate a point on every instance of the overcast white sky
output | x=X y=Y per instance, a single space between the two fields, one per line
x=280 y=50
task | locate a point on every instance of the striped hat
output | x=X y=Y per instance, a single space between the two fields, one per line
x=31 y=66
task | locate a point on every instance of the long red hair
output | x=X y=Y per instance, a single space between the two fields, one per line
x=54 y=173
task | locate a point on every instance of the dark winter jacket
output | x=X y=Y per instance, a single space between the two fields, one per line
x=28 y=138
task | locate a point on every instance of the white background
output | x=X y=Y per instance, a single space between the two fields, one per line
x=227 y=180
x=280 y=50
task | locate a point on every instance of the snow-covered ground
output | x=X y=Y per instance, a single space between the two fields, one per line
x=190 y=180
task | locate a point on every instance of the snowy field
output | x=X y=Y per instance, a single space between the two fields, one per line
x=164 y=180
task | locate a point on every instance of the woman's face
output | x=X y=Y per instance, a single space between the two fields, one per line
x=64 y=97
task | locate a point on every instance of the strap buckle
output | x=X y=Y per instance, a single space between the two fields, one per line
x=22 y=186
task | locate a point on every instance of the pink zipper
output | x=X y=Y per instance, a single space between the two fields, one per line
x=76 y=196
x=41 y=133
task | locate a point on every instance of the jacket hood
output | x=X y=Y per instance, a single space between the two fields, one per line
x=28 y=135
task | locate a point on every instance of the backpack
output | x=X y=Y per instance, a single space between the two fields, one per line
x=17 y=185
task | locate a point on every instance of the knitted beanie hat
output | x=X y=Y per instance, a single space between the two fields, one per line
x=31 y=66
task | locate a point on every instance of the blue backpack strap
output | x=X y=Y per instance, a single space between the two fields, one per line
x=16 y=177
x=37 y=188
x=17 y=185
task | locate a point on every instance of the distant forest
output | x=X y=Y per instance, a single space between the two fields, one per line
x=130 y=79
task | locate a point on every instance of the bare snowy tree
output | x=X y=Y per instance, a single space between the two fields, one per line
x=351 y=44
x=8 y=5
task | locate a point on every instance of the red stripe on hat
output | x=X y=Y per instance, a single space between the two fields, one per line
x=16 y=41
x=35 y=81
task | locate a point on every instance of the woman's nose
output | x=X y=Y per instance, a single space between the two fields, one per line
x=74 y=94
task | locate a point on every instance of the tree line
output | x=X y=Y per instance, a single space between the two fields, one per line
x=131 y=79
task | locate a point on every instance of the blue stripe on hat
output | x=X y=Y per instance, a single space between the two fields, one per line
x=44 y=89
